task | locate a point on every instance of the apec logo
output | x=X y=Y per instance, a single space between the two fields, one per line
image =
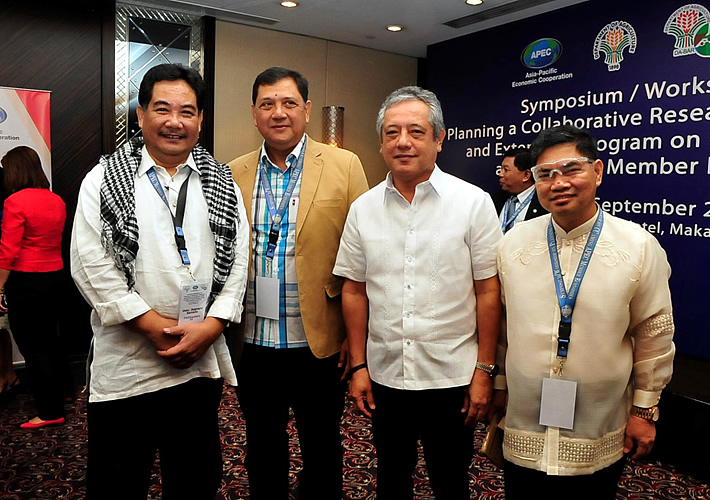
x=541 y=53
x=3 y=115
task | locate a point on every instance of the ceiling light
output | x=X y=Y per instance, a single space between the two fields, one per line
x=474 y=2
x=289 y=5
x=394 y=28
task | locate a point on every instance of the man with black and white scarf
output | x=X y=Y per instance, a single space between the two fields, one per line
x=159 y=250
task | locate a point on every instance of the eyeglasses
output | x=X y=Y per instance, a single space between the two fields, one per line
x=567 y=168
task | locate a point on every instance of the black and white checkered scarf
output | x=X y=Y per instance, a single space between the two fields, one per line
x=119 y=232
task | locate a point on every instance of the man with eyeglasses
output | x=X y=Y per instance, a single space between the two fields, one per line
x=589 y=331
x=517 y=200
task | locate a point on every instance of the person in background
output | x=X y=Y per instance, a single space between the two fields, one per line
x=589 y=332
x=421 y=302
x=30 y=277
x=159 y=251
x=517 y=200
x=298 y=193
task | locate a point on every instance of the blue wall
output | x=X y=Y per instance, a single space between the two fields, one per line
x=651 y=115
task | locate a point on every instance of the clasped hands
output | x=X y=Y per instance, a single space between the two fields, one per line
x=179 y=345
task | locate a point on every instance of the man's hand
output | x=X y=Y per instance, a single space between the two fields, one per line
x=498 y=404
x=193 y=340
x=640 y=435
x=477 y=398
x=152 y=325
x=344 y=359
x=361 y=391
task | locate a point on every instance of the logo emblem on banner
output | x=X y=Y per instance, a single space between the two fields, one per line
x=612 y=40
x=689 y=26
x=3 y=115
x=541 y=53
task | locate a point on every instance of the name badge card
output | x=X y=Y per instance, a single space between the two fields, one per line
x=267 y=297
x=558 y=401
x=193 y=301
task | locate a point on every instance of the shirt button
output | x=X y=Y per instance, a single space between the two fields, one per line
x=408 y=315
x=409 y=286
x=409 y=342
x=409 y=258
x=568 y=242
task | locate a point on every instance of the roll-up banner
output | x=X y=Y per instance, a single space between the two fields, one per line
x=25 y=121
x=636 y=74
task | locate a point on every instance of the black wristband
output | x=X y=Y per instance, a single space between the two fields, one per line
x=356 y=368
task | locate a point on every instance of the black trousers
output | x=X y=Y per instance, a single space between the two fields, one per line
x=33 y=309
x=270 y=381
x=524 y=483
x=402 y=417
x=180 y=422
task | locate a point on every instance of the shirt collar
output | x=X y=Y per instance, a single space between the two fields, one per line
x=290 y=159
x=147 y=162
x=435 y=180
x=522 y=196
x=578 y=231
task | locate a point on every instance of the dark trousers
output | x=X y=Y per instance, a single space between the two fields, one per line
x=400 y=418
x=270 y=381
x=33 y=309
x=180 y=422
x=524 y=483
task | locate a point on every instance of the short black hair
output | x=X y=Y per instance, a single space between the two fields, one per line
x=585 y=143
x=276 y=74
x=172 y=72
x=522 y=159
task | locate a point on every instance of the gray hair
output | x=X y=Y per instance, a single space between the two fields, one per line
x=436 y=116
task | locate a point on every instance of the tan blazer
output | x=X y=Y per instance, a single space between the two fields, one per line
x=331 y=180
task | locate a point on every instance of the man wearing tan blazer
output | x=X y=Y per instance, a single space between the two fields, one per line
x=294 y=337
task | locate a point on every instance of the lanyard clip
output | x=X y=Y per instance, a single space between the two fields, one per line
x=273 y=239
x=180 y=242
x=562 y=347
x=563 y=332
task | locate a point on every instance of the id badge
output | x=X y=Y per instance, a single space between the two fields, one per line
x=558 y=401
x=267 y=297
x=193 y=301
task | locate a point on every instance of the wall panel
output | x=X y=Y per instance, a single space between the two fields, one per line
x=338 y=74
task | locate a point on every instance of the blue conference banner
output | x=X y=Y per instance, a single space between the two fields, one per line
x=636 y=74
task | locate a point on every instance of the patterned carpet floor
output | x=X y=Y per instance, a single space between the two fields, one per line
x=50 y=463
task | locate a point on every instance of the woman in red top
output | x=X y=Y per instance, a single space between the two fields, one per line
x=30 y=277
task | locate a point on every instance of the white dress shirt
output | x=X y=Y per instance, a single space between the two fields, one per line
x=620 y=350
x=419 y=262
x=522 y=196
x=124 y=363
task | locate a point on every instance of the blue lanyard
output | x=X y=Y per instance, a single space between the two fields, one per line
x=566 y=298
x=506 y=222
x=277 y=215
x=179 y=211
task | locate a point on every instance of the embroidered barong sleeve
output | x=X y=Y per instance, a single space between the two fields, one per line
x=95 y=273
x=651 y=326
x=228 y=304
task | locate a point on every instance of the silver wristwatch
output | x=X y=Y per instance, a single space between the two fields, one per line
x=491 y=370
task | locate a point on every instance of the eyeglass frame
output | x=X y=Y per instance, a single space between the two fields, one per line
x=551 y=175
